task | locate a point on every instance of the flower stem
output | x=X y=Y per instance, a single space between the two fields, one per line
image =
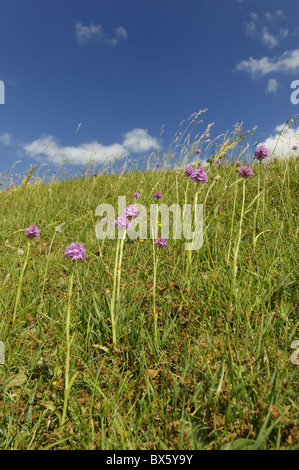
x=116 y=286
x=68 y=382
x=236 y=250
x=154 y=294
x=20 y=284
x=232 y=225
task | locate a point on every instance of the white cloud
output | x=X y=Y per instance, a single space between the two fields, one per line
x=262 y=33
x=138 y=140
x=268 y=16
x=5 y=139
x=272 y=85
x=47 y=146
x=273 y=16
x=284 y=143
x=251 y=26
x=85 y=34
x=253 y=16
x=288 y=62
x=272 y=41
x=268 y=38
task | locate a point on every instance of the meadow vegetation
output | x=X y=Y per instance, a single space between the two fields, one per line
x=200 y=355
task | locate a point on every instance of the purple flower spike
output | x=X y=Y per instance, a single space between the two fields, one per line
x=199 y=175
x=131 y=211
x=261 y=153
x=295 y=147
x=245 y=172
x=218 y=162
x=75 y=251
x=158 y=195
x=189 y=171
x=161 y=243
x=137 y=195
x=122 y=222
x=32 y=232
x=198 y=151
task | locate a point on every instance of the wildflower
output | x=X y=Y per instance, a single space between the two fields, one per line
x=199 y=175
x=261 y=153
x=218 y=162
x=157 y=166
x=161 y=243
x=131 y=211
x=295 y=147
x=158 y=195
x=189 y=171
x=245 y=172
x=198 y=151
x=75 y=251
x=122 y=222
x=32 y=232
x=137 y=195
x=238 y=163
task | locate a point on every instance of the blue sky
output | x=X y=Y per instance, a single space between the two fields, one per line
x=104 y=78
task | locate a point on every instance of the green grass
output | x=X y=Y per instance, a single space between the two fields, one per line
x=202 y=353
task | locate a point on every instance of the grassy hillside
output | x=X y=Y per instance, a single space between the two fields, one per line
x=201 y=352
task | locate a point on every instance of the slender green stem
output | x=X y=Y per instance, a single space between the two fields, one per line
x=236 y=250
x=119 y=271
x=205 y=227
x=20 y=284
x=68 y=347
x=68 y=319
x=232 y=225
x=46 y=268
x=154 y=294
x=189 y=254
x=255 y=214
x=112 y=304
